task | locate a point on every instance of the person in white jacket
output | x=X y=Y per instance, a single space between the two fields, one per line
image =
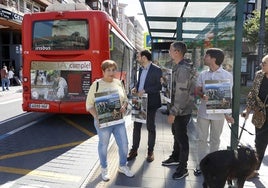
x=11 y=76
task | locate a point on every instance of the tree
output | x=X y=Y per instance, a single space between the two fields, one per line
x=252 y=28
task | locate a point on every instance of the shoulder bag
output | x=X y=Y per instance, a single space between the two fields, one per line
x=259 y=115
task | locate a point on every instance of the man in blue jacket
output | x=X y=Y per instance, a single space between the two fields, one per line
x=148 y=82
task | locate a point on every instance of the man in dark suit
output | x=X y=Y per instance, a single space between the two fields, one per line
x=148 y=82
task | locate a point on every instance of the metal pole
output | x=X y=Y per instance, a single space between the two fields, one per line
x=237 y=72
x=262 y=32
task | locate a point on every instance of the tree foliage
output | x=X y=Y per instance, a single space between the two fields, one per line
x=252 y=29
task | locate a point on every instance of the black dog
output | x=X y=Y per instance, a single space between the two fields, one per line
x=226 y=165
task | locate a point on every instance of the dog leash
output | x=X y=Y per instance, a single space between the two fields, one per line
x=242 y=129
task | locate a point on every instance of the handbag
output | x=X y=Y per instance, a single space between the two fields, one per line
x=259 y=115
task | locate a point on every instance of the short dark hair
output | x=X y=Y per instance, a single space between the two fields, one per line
x=180 y=46
x=217 y=54
x=147 y=54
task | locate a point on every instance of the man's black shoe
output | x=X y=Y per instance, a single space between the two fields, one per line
x=180 y=174
x=170 y=162
x=132 y=155
x=197 y=172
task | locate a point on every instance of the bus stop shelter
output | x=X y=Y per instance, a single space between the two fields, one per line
x=201 y=25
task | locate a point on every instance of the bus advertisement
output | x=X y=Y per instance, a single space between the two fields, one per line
x=63 y=49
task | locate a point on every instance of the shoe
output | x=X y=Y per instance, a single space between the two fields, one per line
x=104 y=174
x=254 y=174
x=150 y=156
x=180 y=174
x=132 y=155
x=125 y=170
x=197 y=172
x=170 y=162
x=7 y=88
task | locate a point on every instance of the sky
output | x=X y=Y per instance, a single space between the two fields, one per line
x=133 y=9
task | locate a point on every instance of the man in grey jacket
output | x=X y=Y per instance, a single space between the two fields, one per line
x=182 y=103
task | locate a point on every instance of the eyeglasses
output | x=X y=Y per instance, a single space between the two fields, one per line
x=263 y=63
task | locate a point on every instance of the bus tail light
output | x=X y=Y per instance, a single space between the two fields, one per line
x=25 y=88
x=25 y=79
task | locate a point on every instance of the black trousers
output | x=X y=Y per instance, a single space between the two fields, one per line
x=261 y=141
x=181 y=141
x=151 y=131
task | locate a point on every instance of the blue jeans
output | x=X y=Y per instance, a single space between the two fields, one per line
x=120 y=135
x=5 y=83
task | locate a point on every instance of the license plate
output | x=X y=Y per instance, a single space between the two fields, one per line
x=39 y=106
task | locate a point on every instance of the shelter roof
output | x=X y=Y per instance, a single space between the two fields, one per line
x=190 y=19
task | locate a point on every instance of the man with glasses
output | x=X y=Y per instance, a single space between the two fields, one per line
x=182 y=103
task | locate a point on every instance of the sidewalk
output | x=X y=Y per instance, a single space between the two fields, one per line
x=12 y=89
x=154 y=174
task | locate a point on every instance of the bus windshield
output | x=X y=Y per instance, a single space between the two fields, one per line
x=60 y=35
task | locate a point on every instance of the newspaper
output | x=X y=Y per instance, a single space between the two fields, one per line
x=139 y=108
x=108 y=106
x=166 y=82
x=219 y=96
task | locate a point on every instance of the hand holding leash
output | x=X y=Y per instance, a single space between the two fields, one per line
x=229 y=119
x=245 y=114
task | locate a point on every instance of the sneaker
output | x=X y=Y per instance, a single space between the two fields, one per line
x=125 y=170
x=170 y=161
x=104 y=174
x=132 y=155
x=180 y=174
x=197 y=172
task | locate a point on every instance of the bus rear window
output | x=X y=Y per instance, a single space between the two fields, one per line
x=60 y=35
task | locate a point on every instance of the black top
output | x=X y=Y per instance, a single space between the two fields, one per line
x=263 y=92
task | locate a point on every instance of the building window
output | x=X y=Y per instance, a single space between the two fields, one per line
x=28 y=7
x=36 y=8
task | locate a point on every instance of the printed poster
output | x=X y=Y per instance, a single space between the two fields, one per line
x=219 y=96
x=139 y=108
x=108 y=106
x=166 y=82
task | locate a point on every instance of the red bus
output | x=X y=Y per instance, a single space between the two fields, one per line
x=62 y=52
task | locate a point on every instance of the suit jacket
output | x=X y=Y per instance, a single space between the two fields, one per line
x=152 y=86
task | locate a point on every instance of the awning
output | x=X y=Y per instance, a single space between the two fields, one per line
x=186 y=20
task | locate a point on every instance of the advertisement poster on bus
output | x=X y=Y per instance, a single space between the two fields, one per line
x=166 y=82
x=139 y=108
x=108 y=106
x=60 y=81
x=219 y=96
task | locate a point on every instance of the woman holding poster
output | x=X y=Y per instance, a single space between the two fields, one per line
x=105 y=97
